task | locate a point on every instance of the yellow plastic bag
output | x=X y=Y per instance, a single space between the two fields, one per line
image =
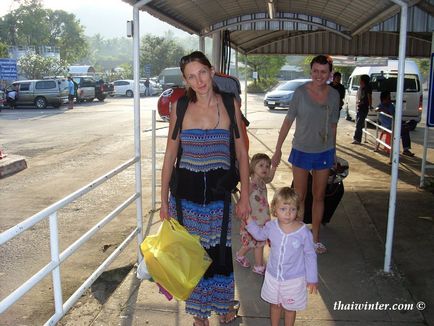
x=175 y=258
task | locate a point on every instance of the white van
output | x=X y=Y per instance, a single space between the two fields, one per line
x=384 y=78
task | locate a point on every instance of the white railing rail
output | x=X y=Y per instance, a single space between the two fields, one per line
x=57 y=258
x=379 y=129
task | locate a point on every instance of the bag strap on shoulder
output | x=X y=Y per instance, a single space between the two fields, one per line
x=181 y=108
x=228 y=100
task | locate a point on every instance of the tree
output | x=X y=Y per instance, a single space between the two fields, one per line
x=109 y=53
x=34 y=66
x=160 y=53
x=267 y=66
x=4 y=53
x=32 y=25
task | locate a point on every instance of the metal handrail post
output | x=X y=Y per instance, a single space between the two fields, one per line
x=55 y=258
x=154 y=161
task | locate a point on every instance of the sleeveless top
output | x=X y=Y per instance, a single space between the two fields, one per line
x=205 y=159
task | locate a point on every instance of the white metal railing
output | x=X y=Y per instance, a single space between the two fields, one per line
x=379 y=132
x=154 y=152
x=57 y=258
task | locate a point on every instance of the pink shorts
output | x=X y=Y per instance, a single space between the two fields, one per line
x=291 y=294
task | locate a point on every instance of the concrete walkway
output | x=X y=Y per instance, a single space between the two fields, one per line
x=351 y=277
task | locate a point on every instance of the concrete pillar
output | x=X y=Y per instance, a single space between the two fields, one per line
x=202 y=44
x=216 y=50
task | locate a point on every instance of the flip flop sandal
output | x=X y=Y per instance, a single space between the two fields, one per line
x=242 y=260
x=260 y=270
x=200 y=321
x=233 y=313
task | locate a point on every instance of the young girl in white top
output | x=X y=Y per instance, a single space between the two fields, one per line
x=292 y=265
x=260 y=174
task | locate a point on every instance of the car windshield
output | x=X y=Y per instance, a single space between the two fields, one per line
x=291 y=85
x=387 y=82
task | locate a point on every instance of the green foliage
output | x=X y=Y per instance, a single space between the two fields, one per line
x=160 y=53
x=32 y=25
x=125 y=72
x=306 y=64
x=4 y=53
x=424 y=67
x=106 y=54
x=267 y=66
x=34 y=66
x=262 y=86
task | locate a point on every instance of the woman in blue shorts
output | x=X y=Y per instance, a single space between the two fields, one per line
x=315 y=107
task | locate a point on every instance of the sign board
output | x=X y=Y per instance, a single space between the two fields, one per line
x=147 y=69
x=255 y=75
x=430 y=111
x=8 y=69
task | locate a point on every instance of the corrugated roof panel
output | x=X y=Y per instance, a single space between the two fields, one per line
x=353 y=17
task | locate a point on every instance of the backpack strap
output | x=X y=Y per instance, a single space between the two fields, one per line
x=181 y=108
x=228 y=100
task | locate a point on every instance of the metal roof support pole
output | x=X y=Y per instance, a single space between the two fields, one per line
x=216 y=50
x=245 y=86
x=236 y=65
x=396 y=135
x=137 y=143
x=427 y=128
x=202 y=44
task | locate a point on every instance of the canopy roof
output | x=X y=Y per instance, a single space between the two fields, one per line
x=345 y=27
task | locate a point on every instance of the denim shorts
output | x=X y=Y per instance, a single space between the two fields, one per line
x=312 y=161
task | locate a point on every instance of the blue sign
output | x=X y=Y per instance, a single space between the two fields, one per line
x=148 y=70
x=430 y=111
x=8 y=69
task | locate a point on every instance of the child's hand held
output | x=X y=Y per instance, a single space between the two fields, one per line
x=313 y=288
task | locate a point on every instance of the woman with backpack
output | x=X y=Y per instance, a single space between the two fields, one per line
x=200 y=193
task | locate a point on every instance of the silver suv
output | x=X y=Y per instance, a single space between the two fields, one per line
x=41 y=92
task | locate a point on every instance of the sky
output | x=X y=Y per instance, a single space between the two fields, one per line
x=106 y=17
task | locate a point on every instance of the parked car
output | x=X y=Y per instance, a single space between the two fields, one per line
x=41 y=92
x=88 y=89
x=125 y=87
x=2 y=99
x=171 y=77
x=281 y=95
x=385 y=78
x=155 y=86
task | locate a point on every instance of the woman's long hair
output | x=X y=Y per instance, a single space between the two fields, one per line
x=196 y=56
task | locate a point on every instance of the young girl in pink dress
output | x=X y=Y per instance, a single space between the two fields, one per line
x=261 y=173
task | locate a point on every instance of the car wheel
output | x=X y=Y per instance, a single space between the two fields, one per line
x=271 y=107
x=129 y=93
x=41 y=102
x=101 y=98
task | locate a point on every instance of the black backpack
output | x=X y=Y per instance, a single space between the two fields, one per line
x=230 y=181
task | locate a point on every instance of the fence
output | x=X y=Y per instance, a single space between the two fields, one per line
x=57 y=258
x=380 y=131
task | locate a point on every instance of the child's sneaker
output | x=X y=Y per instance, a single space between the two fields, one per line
x=259 y=269
x=242 y=260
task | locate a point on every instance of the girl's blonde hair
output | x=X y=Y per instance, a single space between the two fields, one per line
x=255 y=159
x=285 y=195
